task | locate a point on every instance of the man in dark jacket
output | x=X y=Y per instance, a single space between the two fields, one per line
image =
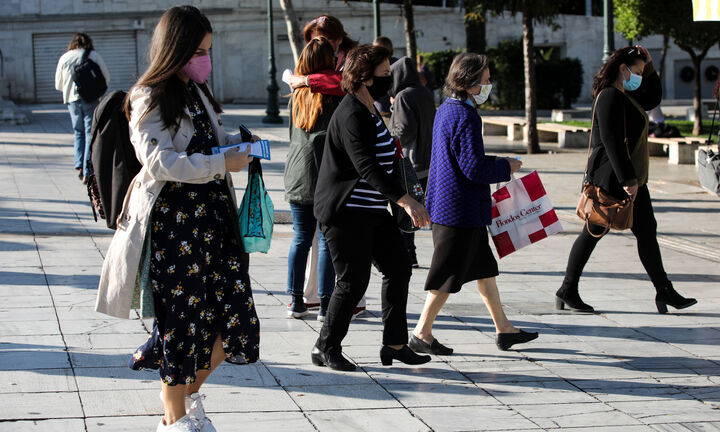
x=412 y=123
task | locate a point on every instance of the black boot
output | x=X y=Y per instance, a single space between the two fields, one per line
x=568 y=295
x=334 y=360
x=666 y=295
x=405 y=355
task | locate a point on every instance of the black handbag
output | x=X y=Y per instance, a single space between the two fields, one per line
x=405 y=175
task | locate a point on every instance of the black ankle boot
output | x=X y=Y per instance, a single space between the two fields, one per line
x=405 y=355
x=569 y=296
x=666 y=295
x=334 y=360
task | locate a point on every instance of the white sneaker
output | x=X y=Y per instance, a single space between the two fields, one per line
x=184 y=424
x=196 y=411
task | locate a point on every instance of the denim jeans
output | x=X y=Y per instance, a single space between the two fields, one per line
x=81 y=115
x=304 y=227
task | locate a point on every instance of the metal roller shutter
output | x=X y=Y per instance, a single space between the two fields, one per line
x=118 y=49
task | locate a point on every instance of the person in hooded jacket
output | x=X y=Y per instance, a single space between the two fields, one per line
x=411 y=122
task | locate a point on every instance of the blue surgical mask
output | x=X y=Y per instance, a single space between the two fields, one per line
x=633 y=83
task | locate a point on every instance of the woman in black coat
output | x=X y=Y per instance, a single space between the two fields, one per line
x=352 y=193
x=625 y=88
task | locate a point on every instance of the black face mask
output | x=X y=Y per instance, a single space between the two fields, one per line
x=380 y=86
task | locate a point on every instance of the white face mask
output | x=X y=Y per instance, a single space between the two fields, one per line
x=484 y=94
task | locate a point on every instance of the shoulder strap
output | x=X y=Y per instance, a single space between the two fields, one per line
x=86 y=54
x=592 y=124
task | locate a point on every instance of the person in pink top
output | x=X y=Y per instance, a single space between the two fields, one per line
x=332 y=29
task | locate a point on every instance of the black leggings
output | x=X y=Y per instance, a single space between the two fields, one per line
x=645 y=231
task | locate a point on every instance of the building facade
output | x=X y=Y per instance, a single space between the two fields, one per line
x=35 y=33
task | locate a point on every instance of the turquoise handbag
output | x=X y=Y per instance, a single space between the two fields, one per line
x=256 y=214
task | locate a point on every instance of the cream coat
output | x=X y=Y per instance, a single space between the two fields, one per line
x=161 y=151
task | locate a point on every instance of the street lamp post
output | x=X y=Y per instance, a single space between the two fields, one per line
x=609 y=31
x=272 y=110
x=376 y=17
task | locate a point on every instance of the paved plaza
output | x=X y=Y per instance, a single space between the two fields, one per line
x=63 y=367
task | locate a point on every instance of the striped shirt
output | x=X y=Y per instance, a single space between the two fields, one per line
x=363 y=196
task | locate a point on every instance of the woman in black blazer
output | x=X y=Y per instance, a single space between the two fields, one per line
x=626 y=86
x=352 y=193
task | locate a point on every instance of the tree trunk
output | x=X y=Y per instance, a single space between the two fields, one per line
x=663 y=55
x=410 y=42
x=697 y=97
x=475 y=39
x=294 y=37
x=531 y=133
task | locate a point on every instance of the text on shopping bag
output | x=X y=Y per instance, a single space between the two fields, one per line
x=522 y=214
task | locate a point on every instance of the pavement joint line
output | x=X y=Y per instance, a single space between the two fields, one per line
x=47 y=283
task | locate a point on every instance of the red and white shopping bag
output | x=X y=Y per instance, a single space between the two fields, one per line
x=522 y=214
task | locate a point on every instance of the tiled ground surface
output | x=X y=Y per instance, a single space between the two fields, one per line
x=63 y=366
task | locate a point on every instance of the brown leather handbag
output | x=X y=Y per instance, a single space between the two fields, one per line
x=598 y=207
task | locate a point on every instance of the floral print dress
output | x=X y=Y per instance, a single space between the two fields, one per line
x=198 y=274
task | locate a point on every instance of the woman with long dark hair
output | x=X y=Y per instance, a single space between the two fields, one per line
x=178 y=232
x=624 y=89
x=310 y=115
x=354 y=187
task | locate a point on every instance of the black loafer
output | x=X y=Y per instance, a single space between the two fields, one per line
x=505 y=340
x=405 y=355
x=419 y=345
x=333 y=360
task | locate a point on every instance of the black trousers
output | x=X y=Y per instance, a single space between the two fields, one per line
x=645 y=231
x=357 y=240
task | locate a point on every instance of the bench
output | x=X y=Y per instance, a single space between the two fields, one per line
x=511 y=127
x=565 y=135
x=560 y=115
x=679 y=150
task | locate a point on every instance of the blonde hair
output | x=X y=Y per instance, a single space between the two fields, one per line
x=317 y=55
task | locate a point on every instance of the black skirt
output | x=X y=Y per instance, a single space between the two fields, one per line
x=461 y=255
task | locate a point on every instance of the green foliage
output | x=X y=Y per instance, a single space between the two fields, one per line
x=640 y=18
x=439 y=64
x=629 y=21
x=542 y=11
x=506 y=70
x=558 y=81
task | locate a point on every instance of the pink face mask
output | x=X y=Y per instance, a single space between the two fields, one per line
x=198 y=68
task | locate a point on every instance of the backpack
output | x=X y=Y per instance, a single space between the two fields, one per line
x=89 y=79
x=113 y=163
